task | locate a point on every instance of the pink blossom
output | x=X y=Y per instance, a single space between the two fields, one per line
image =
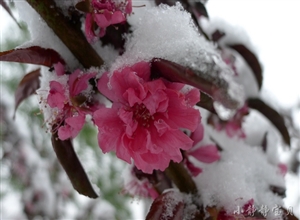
x=233 y=126
x=282 y=169
x=105 y=13
x=204 y=153
x=70 y=103
x=145 y=119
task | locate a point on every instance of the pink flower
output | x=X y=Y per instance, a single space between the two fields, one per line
x=233 y=126
x=283 y=169
x=205 y=153
x=70 y=103
x=105 y=13
x=145 y=119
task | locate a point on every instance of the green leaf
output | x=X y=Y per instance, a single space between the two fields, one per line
x=275 y=118
x=28 y=85
x=68 y=159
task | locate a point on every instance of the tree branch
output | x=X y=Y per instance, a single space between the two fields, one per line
x=69 y=33
x=181 y=178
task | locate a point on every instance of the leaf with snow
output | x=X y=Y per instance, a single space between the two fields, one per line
x=251 y=60
x=6 y=7
x=169 y=206
x=33 y=55
x=28 y=85
x=216 y=88
x=68 y=159
x=275 y=118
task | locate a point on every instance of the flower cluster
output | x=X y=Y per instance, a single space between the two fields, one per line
x=105 y=13
x=69 y=97
x=145 y=119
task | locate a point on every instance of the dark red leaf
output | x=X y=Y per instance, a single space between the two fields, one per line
x=200 y=10
x=114 y=36
x=217 y=35
x=251 y=60
x=5 y=6
x=167 y=2
x=264 y=142
x=32 y=55
x=280 y=191
x=84 y=6
x=288 y=214
x=169 y=205
x=68 y=159
x=275 y=118
x=207 y=103
x=216 y=88
x=28 y=85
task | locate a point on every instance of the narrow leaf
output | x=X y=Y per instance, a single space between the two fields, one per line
x=207 y=103
x=251 y=60
x=264 y=142
x=169 y=205
x=200 y=10
x=288 y=214
x=33 y=55
x=6 y=7
x=28 y=85
x=275 y=118
x=216 y=88
x=68 y=159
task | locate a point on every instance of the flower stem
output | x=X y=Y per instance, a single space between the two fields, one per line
x=181 y=178
x=68 y=32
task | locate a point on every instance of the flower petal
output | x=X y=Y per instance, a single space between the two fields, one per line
x=110 y=128
x=179 y=113
x=56 y=97
x=72 y=127
x=77 y=83
x=198 y=134
x=206 y=154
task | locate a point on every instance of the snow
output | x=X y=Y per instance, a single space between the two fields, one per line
x=43 y=92
x=243 y=173
x=179 y=41
x=41 y=34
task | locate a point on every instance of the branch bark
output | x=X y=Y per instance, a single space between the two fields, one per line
x=181 y=178
x=69 y=33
